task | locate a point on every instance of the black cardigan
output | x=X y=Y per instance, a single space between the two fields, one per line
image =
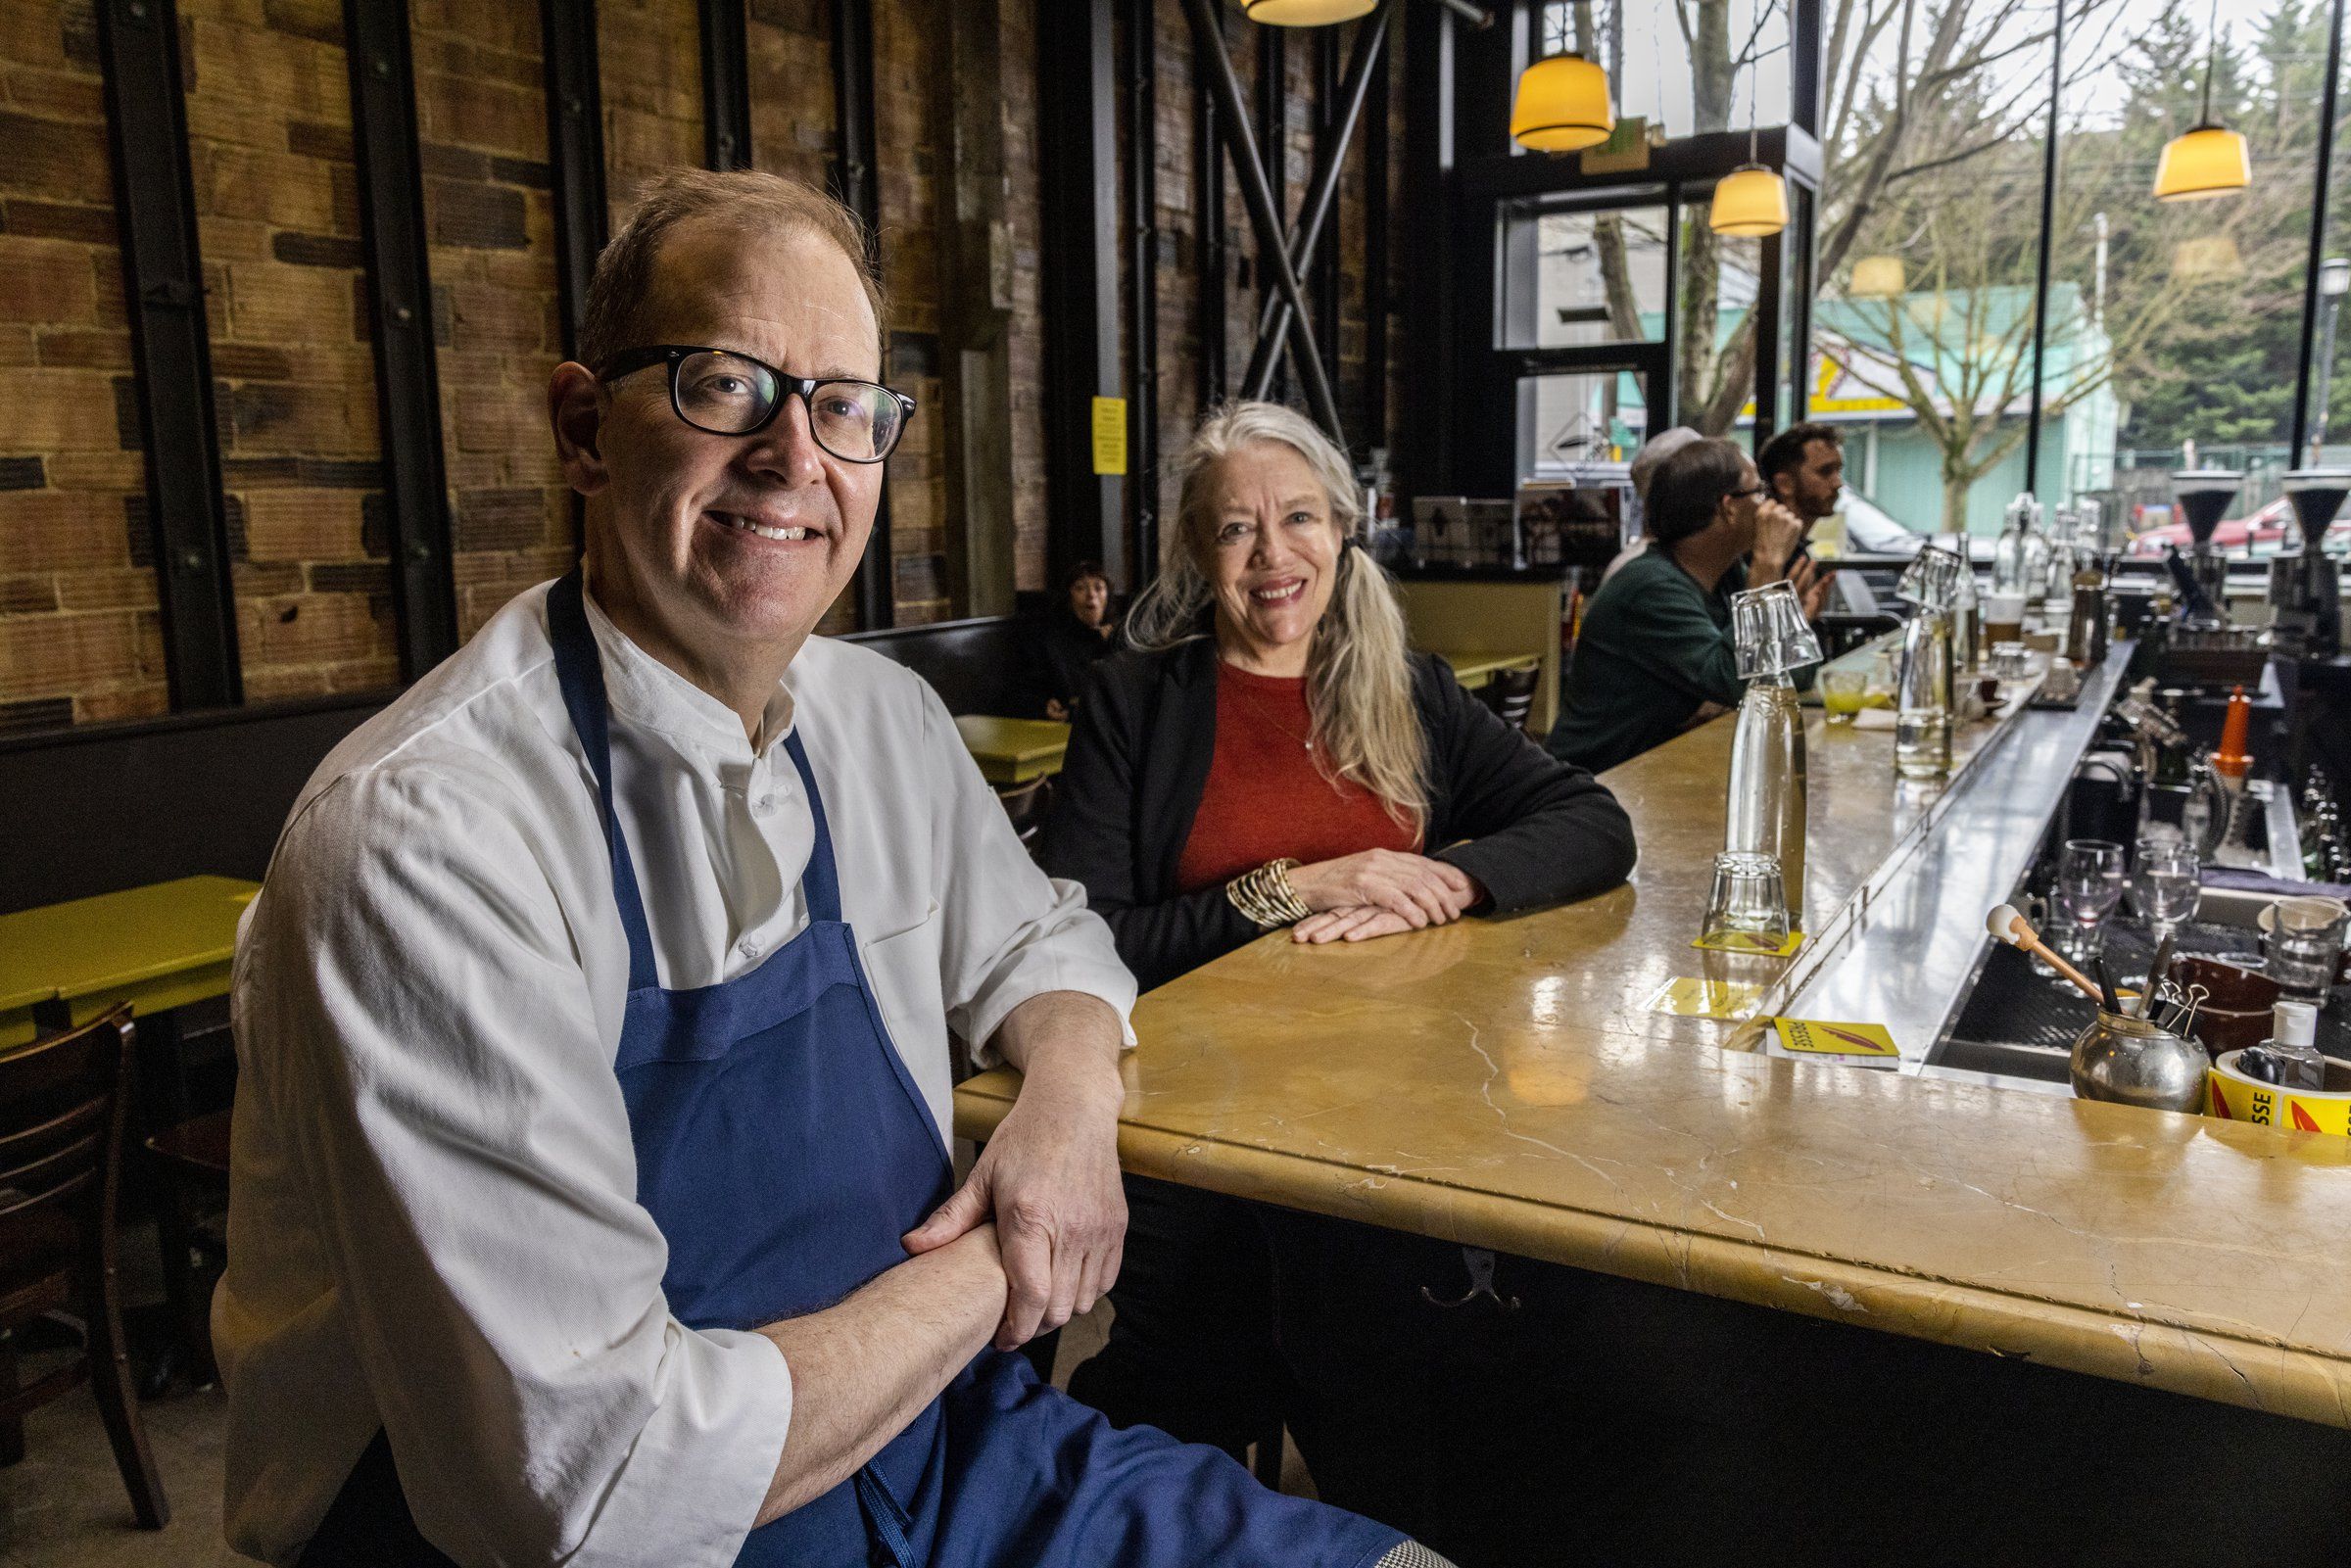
x=1539 y=831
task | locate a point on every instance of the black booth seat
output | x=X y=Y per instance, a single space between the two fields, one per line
x=123 y=805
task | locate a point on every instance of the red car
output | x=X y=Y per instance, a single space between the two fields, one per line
x=2271 y=530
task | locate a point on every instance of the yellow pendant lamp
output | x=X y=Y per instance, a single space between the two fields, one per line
x=2209 y=160
x=1304 y=13
x=1562 y=105
x=2201 y=164
x=1749 y=202
x=1877 y=277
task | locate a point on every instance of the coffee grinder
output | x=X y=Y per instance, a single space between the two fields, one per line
x=2307 y=613
x=2203 y=496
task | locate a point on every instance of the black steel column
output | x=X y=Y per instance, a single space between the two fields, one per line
x=1273 y=145
x=2041 y=273
x=1143 y=203
x=1771 y=295
x=400 y=294
x=2317 y=240
x=1375 y=248
x=1804 y=66
x=1265 y=215
x=1425 y=457
x=1325 y=257
x=155 y=207
x=726 y=85
x=855 y=183
x=1214 y=263
x=1077 y=125
x=575 y=147
x=1313 y=212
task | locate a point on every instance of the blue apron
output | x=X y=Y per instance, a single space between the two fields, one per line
x=783 y=1149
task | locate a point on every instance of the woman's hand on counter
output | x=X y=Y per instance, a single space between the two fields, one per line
x=1416 y=890
x=1358 y=924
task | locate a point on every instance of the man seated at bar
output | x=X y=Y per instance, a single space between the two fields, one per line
x=1802 y=467
x=592 y=1200
x=1064 y=643
x=1269 y=754
x=1655 y=655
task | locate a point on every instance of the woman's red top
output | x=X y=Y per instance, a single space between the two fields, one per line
x=1265 y=800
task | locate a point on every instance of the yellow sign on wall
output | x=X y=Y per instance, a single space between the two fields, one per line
x=1110 y=435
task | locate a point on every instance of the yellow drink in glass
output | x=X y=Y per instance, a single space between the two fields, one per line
x=1842 y=692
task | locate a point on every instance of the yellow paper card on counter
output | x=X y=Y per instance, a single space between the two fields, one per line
x=1811 y=1037
x=1685 y=997
x=1741 y=943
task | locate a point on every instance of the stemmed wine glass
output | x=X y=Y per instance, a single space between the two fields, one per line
x=2089 y=884
x=2165 y=884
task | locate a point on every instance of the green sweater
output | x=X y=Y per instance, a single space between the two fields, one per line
x=1654 y=647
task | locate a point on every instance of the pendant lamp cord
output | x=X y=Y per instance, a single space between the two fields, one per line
x=2212 y=30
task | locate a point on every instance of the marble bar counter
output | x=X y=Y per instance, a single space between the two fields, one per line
x=1507 y=1084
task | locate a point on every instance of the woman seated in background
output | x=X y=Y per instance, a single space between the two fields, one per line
x=1266 y=754
x=1064 y=646
x=1656 y=656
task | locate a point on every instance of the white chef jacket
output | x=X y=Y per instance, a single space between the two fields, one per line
x=433 y=1226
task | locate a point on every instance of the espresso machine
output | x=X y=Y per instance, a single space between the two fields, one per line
x=2203 y=496
x=2305 y=590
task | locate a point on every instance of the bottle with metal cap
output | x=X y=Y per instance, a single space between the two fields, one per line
x=2289 y=1058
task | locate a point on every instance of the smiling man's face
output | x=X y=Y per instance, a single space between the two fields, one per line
x=711 y=549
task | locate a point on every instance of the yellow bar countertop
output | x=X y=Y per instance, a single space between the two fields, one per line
x=1502 y=1083
x=1013 y=750
x=156 y=947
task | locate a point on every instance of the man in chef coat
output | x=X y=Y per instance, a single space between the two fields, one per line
x=590 y=1201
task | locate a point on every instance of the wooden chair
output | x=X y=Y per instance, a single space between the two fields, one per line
x=189 y=1159
x=1025 y=805
x=1511 y=694
x=63 y=1104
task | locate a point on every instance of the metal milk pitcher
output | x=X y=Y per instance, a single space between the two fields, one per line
x=2129 y=1061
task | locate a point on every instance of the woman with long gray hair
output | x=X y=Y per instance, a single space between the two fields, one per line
x=1269 y=754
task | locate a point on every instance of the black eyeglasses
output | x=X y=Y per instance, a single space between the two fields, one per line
x=1751 y=490
x=730 y=394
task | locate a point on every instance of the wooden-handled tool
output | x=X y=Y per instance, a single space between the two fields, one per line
x=2013 y=928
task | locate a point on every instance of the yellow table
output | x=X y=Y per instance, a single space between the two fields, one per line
x=155 y=947
x=1013 y=751
x=1475 y=670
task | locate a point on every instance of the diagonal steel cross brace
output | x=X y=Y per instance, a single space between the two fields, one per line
x=1265 y=217
x=1273 y=320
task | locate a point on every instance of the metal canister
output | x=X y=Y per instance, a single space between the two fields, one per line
x=2129 y=1061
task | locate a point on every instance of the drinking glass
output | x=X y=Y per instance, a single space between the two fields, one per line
x=1843 y=691
x=1932 y=579
x=2089 y=884
x=1747 y=905
x=2163 y=884
x=1769 y=631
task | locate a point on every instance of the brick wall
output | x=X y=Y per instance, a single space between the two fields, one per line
x=79 y=634
x=496 y=323
x=276 y=192
x=278 y=226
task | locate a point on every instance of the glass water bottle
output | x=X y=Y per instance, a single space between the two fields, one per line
x=1765 y=810
x=1921 y=719
x=2020 y=561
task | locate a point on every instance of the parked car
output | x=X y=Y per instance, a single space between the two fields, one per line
x=2271 y=530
